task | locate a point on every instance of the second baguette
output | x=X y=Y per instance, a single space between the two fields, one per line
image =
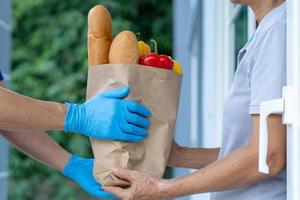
x=124 y=49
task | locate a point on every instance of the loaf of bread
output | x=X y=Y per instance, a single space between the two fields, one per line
x=124 y=49
x=99 y=35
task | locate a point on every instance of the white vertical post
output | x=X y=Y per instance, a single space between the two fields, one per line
x=195 y=81
x=293 y=79
x=208 y=73
x=224 y=68
x=194 y=96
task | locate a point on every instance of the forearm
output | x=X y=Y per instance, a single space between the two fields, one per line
x=40 y=146
x=236 y=170
x=20 y=112
x=193 y=157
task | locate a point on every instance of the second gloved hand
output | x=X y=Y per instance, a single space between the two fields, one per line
x=80 y=170
x=109 y=116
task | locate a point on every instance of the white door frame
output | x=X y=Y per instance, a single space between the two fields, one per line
x=293 y=80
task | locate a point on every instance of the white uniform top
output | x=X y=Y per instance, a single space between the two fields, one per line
x=260 y=76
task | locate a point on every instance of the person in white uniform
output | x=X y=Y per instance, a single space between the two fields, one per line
x=231 y=172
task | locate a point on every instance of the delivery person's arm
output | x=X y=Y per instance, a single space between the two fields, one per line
x=106 y=116
x=41 y=147
x=238 y=169
x=31 y=141
x=195 y=158
x=21 y=112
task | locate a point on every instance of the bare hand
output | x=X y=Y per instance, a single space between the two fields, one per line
x=143 y=186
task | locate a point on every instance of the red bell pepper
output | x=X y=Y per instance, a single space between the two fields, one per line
x=155 y=60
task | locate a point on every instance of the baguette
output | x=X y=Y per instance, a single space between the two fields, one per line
x=124 y=49
x=99 y=35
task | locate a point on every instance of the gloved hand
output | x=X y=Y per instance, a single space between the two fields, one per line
x=108 y=116
x=80 y=170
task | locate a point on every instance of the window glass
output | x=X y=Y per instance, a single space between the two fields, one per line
x=241 y=31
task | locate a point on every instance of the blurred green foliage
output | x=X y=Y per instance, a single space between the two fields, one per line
x=50 y=62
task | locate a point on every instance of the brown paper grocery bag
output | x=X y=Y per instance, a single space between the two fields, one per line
x=159 y=90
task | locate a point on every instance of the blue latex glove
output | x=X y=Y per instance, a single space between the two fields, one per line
x=80 y=170
x=108 y=116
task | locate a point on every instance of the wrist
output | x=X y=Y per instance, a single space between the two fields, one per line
x=51 y=115
x=167 y=188
x=70 y=166
x=64 y=161
x=63 y=110
x=71 y=117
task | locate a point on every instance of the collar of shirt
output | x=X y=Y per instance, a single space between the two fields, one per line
x=273 y=16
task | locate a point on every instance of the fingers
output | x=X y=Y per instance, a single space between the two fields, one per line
x=119 y=93
x=137 y=120
x=96 y=190
x=102 y=194
x=134 y=130
x=125 y=174
x=137 y=108
x=119 y=192
x=131 y=138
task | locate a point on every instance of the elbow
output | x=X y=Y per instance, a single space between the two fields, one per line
x=276 y=161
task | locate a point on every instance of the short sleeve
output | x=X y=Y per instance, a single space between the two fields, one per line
x=268 y=73
x=1 y=76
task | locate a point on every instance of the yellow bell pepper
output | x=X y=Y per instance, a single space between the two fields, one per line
x=144 y=49
x=177 y=67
